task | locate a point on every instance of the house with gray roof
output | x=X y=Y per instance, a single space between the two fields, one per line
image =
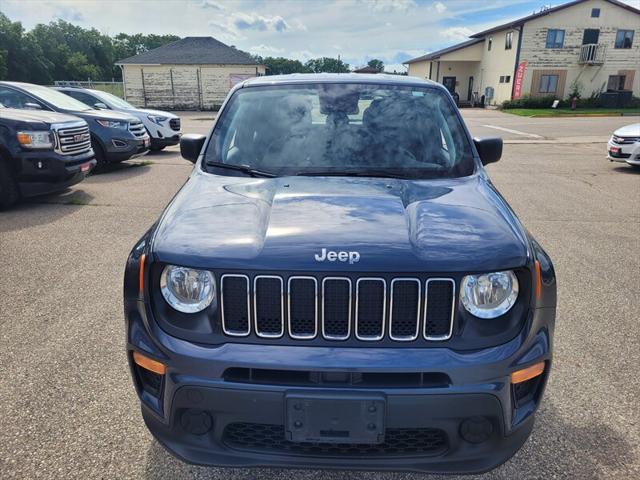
x=194 y=73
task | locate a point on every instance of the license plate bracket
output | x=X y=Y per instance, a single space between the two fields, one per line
x=335 y=418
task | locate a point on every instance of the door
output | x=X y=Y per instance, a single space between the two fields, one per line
x=590 y=36
x=450 y=83
x=470 y=89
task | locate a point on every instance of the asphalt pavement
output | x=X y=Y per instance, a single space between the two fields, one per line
x=67 y=404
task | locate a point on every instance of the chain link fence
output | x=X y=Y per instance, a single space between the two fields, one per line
x=115 y=88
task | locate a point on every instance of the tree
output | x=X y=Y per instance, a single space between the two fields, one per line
x=327 y=64
x=281 y=65
x=377 y=64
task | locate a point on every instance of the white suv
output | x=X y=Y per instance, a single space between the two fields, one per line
x=163 y=127
x=624 y=145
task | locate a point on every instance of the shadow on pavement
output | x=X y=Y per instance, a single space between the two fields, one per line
x=41 y=210
x=556 y=449
x=112 y=171
x=627 y=169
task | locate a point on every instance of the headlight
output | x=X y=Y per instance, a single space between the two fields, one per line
x=35 y=139
x=186 y=289
x=489 y=295
x=113 y=124
x=157 y=119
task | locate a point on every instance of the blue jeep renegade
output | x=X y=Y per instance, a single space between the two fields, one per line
x=339 y=285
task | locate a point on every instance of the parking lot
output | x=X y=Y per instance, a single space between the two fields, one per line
x=67 y=405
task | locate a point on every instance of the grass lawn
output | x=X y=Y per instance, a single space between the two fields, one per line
x=558 y=112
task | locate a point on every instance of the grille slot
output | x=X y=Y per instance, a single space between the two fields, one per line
x=302 y=307
x=137 y=128
x=268 y=306
x=404 y=312
x=398 y=442
x=439 y=309
x=371 y=302
x=73 y=139
x=338 y=379
x=174 y=123
x=336 y=308
x=235 y=305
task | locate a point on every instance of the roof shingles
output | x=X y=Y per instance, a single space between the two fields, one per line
x=191 y=51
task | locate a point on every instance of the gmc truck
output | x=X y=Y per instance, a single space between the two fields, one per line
x=339 y=285
x=40 y=153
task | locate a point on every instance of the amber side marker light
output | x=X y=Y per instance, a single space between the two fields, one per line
x=538 y=280
x=143 y=257
x=149 y=364
x=528 y=373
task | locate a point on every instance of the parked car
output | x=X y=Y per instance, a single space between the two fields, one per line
x=624 y=145
x=339 y=284
x=162 y=127
x=41 y=152
x=115 y=136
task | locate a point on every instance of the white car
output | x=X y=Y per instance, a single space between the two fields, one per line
x=624 y=145
x=163 y=127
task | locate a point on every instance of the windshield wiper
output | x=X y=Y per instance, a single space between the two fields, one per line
x=356 y=173
x=242 y=168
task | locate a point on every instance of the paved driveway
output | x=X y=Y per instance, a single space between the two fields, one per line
x=67 y=406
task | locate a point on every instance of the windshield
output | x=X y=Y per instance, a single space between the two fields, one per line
x=350 y=129
x=112 y=100
x=55 y=98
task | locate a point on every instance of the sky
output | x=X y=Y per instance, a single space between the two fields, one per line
x=356 y=30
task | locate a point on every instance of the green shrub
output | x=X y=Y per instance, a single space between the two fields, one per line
x=530 y=102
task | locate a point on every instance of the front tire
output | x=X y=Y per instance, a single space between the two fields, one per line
x=101 y=159
x=9 y=191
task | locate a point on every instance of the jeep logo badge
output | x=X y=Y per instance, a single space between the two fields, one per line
x=341 y=256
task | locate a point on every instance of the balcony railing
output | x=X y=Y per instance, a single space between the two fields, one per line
x=592 y=54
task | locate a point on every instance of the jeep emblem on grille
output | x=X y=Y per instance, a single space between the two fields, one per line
x=341 y=256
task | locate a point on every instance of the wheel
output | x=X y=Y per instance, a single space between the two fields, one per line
x=9 y=191
x=101 y=160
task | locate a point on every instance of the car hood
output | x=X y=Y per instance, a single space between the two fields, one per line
x=36 y=116
x=106 y=114
x=628 y=131
x=146 y=111
x=453 y=225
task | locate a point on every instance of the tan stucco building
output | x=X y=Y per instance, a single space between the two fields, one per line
x=194 y=73
x=594 y=44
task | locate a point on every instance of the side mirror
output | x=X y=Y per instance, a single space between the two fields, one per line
x=32 y=106
x=489 y=149
x=191 y=145
x=100 y=106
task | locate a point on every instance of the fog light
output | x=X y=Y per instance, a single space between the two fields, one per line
x=195 y=421
x=476 y=429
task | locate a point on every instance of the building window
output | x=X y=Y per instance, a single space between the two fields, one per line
x=501 y=79
x=507 y=79
x=616 y=82
x=624 y=38
x=595 y=13
x=548 y=84
x=508 y=41
x=555 y=38
x=489 y=43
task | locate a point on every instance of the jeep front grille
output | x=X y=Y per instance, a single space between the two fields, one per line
x=72 y=138
x=368 y=309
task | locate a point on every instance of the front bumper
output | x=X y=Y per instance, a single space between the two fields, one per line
x=195 y=386
x=121 y=149
x=624 y=153
x=43 y=172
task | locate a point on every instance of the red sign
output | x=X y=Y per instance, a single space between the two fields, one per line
x=517 y=84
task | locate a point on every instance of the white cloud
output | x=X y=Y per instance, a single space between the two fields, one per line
x=439 y=7
x=386 y=6
x=243 y=21
x=457 y=34
x=266 y=50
